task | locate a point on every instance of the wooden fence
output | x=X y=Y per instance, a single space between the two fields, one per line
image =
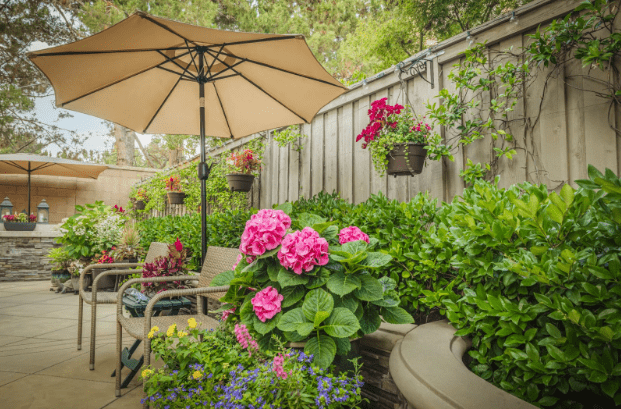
x=567 y=130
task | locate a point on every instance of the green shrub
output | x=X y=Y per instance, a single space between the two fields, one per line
x=535 y=284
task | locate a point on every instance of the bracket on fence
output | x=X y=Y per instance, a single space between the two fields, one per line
x=417 y=67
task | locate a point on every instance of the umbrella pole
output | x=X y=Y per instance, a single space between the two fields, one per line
x=29 y=172
x=203 y=170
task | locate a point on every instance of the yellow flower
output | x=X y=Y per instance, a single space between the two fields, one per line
x=171 y=330
x=197 y=375
x=146 y=373
x=181 y=334
x=225 y=365
x=155 y=329
x=192 y=323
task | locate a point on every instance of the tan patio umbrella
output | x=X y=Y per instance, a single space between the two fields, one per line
x=25 y=163
x=154 y=75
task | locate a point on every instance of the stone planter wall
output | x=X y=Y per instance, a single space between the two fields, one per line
x=23 y=255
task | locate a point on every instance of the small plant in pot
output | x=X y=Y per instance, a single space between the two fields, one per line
x=60 y=261
x=174 y=191
x=140 y=199
x=396 y=139
x=129 y=249
x=243 y=164
x=19 y=222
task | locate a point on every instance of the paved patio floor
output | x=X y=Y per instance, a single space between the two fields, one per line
x=40 y=366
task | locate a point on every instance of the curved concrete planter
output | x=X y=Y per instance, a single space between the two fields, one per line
x=428 y=370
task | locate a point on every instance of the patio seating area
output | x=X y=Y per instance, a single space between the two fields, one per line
x=40 y=367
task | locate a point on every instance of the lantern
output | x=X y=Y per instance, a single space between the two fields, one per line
x=43 y=212
x=6 y=207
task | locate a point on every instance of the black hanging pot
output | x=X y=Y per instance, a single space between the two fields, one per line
x=406 y=159
x=240 y=182
x=140 y=205
x=175 y=198
x=18 y=226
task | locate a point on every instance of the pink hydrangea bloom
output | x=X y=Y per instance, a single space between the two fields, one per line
x=277 y=364
x=264 y=231
x=266 y=303
x=225 y=314
x=302 y=250
x=352 y=233
x=245 y=339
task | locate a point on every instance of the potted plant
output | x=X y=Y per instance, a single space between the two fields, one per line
x=19 y=222
x=313 y=286
x=104 y=257
x=128 y=250
x=171 y=265
x=60 y=260
x=75 y=269
x=243 y=164
x=173 y=190
x=396 y=139
x=141 y=199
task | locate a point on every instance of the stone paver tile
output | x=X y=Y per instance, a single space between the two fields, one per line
x=6 y=377
x=9 y=339
x=29 y=298
x=41 y=345
x=61 y=299
x=105 y=363
x=36 y=310
x=129 y=400
x=32 y=327
x=29 y=361
x=50 y=392
x=6 y=293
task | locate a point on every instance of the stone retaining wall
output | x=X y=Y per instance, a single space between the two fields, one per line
x=23 y=255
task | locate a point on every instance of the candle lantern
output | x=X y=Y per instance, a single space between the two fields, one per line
x=43 y=212
x=6 y=207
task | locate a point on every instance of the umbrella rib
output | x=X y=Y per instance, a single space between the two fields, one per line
x=16 y=165
x=283 y=70
x=177 y=73
x=148 y=18
x=261 y=40
x=261 y=89
x=213 y=80
x=118 y=81
x=43 y=166
x=165 y=99
x=215 y=77
x=60 y=164
x=214 y=60
x=191 y=55
x=174 y=62
x=222 y=106
x=137 y=50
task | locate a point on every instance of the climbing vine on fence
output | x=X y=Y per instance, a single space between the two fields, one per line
x=489 y=83
x=219 y=195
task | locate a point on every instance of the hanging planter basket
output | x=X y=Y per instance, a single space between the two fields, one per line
x=406 y=159
x=140 y=205
x=175 y=198
x=16 y=226
x=240 y=182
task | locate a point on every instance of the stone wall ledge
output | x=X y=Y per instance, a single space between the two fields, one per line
x=428 y=370
x=29 y=234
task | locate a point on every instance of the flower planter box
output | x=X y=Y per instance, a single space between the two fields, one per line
x=17 y=226
x=175 y=198
x=140 y=205
x=240 y=182
x=406 y=159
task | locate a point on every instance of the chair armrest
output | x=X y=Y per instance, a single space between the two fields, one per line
x=148 y=313
x=104 y=266
x=119 y=297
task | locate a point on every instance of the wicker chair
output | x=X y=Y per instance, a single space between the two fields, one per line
x=93 y=298
x=217 y=260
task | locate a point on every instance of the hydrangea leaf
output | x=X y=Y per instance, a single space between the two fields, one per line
x=288 y=278
x=267 y=326
x=291 y=320
x=342 y=323
x=323 y=349
x=292 y=295
x=223 y=278
x=318 y=305
x=341 y=284
x=370 y=321
x=396 y=315
x=371 y=289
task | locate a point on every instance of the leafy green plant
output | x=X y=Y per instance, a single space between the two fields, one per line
x=60 y=258
x=290 y=136
x=324 y=303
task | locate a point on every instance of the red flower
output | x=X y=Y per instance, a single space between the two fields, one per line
x=178 y=245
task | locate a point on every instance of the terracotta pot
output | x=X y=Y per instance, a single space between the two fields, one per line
x=175 y=198
x=406 y=159
x=19 y=226
x=240 y=182
x=140 y=205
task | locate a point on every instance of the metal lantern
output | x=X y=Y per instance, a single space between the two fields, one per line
x=43 y=212
x=6 y=207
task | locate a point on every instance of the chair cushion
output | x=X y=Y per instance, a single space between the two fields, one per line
x=103 y=297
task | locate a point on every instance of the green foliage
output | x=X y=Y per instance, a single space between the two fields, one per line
x=224 y=229
x=59 y=258
x=94 y=228
x=290 y=137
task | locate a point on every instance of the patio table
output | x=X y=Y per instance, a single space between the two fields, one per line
x=136 y=308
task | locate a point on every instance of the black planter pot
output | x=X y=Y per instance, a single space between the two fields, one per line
x=17 y=226
x=240 y=182
x=140 y=205
x=175 y=198
x=406 y=159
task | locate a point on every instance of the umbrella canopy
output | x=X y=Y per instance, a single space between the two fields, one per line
x=142 y=73
x=27 y=164
x=155 y=75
